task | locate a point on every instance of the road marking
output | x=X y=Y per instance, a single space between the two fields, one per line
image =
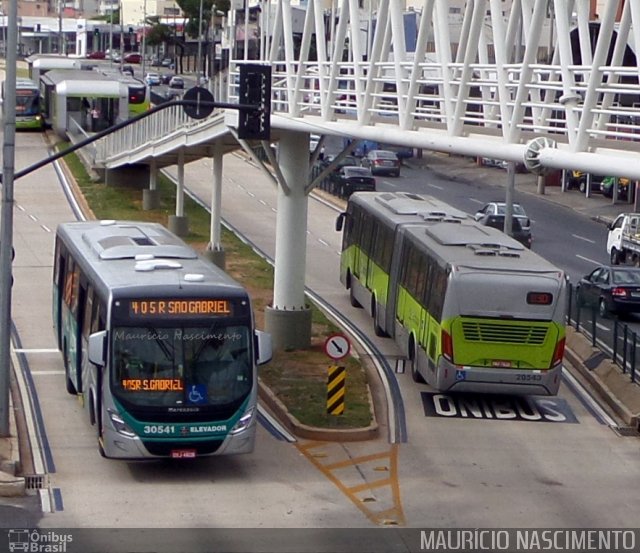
x=477 y=201
x=46 y=228
x=45 y=373
x=33 y=218
x=263 y=202
x=436 y=186
x=588 y=259
x=37 y=350
x=389 y=183
x=583 y=238
x=323 y=242
x=363 y=493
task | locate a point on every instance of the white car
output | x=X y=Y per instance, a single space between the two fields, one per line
x=498 y=208
x=152 y=79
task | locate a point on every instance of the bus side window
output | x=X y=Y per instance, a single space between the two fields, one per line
x=86 y=316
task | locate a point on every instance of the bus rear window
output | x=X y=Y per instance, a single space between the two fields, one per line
x=539 y=298
x=136 y=96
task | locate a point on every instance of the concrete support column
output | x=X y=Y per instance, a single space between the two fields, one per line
x=178 y=223
x=151 y=196
x=289 y=319
x=214 y=252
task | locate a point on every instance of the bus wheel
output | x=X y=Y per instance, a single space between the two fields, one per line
x=70 y=387
x=415 y=375
x=379 y=331
x=352 y=299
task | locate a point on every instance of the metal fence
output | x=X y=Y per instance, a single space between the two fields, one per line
x=615 y=338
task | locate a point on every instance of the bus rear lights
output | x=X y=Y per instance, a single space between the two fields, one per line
x=244 y=422
x=120 y=426
x=558 y=354
x=447 y=345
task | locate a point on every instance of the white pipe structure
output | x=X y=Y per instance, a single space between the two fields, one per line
x=479 y=85
x=215 y=241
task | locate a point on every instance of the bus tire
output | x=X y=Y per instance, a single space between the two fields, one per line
x=603 y=310
x=71 y=389
x=415 y=375
x=352 y=299
x=377 y=329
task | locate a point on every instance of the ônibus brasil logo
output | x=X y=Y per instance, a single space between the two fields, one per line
x=38 y=541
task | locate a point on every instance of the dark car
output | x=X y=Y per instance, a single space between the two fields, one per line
x=382 y=162
x=610 y=290
x=96 y=55
x=132 y=57
x=127 y=70
x=165 y=78
x=518 y=233
x=352 y=179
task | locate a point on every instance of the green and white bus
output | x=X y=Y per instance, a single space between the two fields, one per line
x=28 y=105
x=159 y=344
x=471 y=308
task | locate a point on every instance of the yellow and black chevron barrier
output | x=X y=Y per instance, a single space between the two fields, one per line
x=336 y=390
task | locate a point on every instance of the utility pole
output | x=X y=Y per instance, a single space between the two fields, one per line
x=144 y=36
x=199 y=59
x=6 y=222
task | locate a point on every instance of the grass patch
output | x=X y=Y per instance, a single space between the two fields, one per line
x=299 y=377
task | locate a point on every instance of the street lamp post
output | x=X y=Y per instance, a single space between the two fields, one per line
x=144 y=36
x=199 y=59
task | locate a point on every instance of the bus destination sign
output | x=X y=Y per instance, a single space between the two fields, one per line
x=178 y=307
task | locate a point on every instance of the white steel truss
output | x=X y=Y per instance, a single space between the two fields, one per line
x=543 y=84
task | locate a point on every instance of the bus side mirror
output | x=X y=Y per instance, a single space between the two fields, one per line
x=264 y=347
x=340 y=221
x=97 y=343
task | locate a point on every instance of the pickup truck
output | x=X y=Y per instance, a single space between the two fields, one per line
x=623 y=240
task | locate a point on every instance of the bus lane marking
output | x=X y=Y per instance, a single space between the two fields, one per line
x=360 y=480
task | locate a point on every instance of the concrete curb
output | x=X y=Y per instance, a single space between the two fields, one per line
x=10 y=484
x=311 y=433
x=615 y=388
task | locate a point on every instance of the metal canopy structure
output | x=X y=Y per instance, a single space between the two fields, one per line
x=481 y=84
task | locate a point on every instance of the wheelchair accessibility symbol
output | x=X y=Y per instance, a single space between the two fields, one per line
x=461 y=375
x=197 y=393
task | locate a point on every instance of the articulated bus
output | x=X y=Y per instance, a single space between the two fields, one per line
x=28 y=105
x=139 y=95
x=159 y=343
x=471 y=308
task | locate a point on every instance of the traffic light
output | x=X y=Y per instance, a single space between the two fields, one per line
x=96 y=32
x=255 y=89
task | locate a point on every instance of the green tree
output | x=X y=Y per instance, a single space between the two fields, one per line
x=191 y=10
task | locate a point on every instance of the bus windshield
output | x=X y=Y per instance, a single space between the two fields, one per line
x=196 y=366
x=27 y=102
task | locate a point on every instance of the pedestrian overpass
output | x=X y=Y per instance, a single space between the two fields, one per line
x=545 y=87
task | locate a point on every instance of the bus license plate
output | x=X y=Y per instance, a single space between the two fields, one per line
x=183 y=453
x=501 y=364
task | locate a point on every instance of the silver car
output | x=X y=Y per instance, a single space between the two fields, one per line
x=498 y=208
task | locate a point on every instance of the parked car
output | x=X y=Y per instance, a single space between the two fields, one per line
x=610 y=290
x=352 y=179
x=176 y=82
x=517 y=232
x=577 y=180
x=152 y=79
x=606 y=187
x=499 y=208
x=133 y=57
x=96 y=55
x=382 y=162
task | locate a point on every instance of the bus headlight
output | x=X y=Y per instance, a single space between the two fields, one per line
x=244 y=422
x=120 y=426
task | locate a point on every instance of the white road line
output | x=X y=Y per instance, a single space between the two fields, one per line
x=45 y=373
x=477 y=201
x=583 y=238
x=251 y=194
x=20 y=207
x=274 y=210
x=46 y=228
x=588 y=259
x=37 y=350
x=587 y=397
x=263 y=202
x=436 y=186
x=33 y=218
x=323 y=242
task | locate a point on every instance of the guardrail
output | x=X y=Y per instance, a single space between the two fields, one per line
x=620 y=342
